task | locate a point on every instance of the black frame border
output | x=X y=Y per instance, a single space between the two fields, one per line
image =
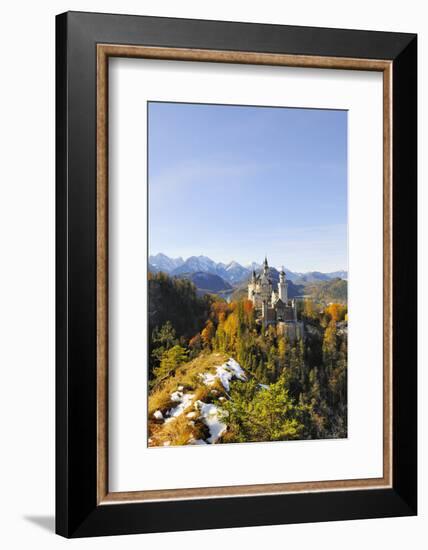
x=77 y=512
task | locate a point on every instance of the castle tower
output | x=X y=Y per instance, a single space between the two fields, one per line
x=252 y=288
x=265 y=283
x=282 y=287
x=266 y=267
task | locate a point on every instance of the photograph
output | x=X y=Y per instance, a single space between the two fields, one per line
x=247 y=274
x=214 y=319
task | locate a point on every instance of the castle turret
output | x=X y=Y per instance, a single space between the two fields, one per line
x=282 y=287
x=266 y=267
x=265 y=283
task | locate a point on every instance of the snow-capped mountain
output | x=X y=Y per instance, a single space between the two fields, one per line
x=196 y=263
x=254 y=266
x=161 y=262
x=233 y=272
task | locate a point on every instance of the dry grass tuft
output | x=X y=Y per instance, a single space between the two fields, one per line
x=178 y=431
x=182 y=429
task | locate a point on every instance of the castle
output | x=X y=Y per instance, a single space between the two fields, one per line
x=273 y=306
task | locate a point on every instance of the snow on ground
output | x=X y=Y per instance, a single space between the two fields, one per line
x=208 y=378
x=210 y=415
x=225 y=373
x=183 y=400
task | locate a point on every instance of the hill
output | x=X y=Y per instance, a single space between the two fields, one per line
x=326 y=292
x=212 y=399
x=311 y=277
x=216 y=373
x=186 y=409
x=207 y=282
x=176 y=301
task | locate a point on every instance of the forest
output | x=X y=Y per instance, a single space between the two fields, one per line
x=267 y=389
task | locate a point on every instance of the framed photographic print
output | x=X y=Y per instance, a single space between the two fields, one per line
x=236 y=274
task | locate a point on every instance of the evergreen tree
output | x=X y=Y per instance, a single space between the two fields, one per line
x=258 y=414
x=171 y=360
x=163 y=339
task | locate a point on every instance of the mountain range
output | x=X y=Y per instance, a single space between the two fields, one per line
x=232 y=273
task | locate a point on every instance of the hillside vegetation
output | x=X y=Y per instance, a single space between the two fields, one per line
x=335 y=290
x=216 y=376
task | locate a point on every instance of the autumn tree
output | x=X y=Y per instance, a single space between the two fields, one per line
x=207 y=333
x=231 y=326
x=309 y=311
x=329 y=344
x=195 y=345
x=336 y=312
x=249 y=314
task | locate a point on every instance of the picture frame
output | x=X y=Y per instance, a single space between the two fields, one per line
x=84 y=44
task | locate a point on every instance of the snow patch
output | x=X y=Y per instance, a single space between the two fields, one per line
x=208 y=378
x=210 y=415
x=183 y=400
x=225 y=373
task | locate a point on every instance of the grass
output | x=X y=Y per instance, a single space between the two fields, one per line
x=182 y=429
x=187 y=376
x=179 y=431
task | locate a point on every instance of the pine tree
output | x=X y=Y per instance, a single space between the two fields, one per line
x=170 y=361
x=259 y=414
x=163 y=339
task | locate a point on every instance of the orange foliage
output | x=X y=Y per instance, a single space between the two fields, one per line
x=248 y=306
x=231 y=326
x=208 y=333
x=195 y=342
x=336 y=312
x=219 y=308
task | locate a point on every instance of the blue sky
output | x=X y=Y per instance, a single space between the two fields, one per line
x=236 y=183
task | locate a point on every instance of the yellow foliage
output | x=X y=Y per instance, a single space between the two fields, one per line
x=336 y=312
x=207 y=333
x=282 y=348
x=231 y=326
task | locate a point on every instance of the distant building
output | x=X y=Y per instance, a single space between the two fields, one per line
x=272 y=305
